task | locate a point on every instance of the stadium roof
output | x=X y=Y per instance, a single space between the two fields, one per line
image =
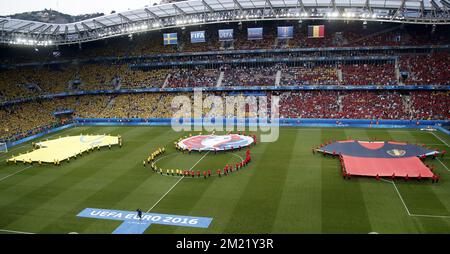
x=195 y=12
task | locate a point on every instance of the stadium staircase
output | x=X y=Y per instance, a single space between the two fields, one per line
x=407 y=103
x=278 y=78
x=339 y=102
x=116 y=83
x=166 y=81
x=220 y=79
x=340 y=76
x=110 y=103
x=397 y=73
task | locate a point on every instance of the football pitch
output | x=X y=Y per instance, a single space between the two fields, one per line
x=285 y=189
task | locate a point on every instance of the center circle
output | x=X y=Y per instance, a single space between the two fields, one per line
x=215 y=142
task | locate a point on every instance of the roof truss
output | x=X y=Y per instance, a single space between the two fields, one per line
x=207 y=6
x=178 y=9
x=124 y=18
x=99 y=23
x=23 y=27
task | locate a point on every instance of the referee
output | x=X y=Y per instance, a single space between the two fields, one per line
x=139 y=213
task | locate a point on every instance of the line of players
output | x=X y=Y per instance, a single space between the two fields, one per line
x=228 y=169
x=152 y=157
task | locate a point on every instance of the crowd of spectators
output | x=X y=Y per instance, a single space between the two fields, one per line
x=372 y=105
x=20 y=120
x=309 y=104
x=309 y=75
x=430 y=105
x=365 y=105
x=195 y=77
x=47 y=79
x=426 y=69
x=249 y=76
x=369 y=74
x=136 y=78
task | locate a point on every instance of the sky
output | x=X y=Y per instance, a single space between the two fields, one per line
x=72 y=7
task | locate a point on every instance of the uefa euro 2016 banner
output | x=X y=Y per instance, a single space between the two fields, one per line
x=197 y=36
x=255 y=33
x=225 y=34
x=285 y=32
x=170 y=39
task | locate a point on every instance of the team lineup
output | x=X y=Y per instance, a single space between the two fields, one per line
x=205 y=144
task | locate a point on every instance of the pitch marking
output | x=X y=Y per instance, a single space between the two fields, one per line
x=1 y=179
x=443 y=165
x=443 y=141
x=173 y=186
x=16 y=232
x=406 y=208
x=399 y=195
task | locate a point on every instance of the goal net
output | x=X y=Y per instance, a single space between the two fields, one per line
x=3 y=148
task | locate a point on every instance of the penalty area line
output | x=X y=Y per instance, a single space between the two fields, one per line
x=443 y=165
x=399 y=195
x=407 y=210
x=173 y=186
x=16 y=232
x=443 y=141
x=5 y=177
x=431 y=216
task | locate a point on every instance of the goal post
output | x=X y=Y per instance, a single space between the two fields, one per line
x=3 y=147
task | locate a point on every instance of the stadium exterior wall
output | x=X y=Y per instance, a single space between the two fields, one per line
x=294 y=122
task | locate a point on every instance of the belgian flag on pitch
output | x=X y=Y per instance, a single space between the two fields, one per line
x=316 y=31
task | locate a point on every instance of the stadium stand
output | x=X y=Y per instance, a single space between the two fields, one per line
x=27 y=118
x=134 y=62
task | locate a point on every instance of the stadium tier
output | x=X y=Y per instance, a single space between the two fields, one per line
x=20 y=120
x=22 y=82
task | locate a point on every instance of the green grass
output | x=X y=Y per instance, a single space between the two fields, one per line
x=286 y=189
